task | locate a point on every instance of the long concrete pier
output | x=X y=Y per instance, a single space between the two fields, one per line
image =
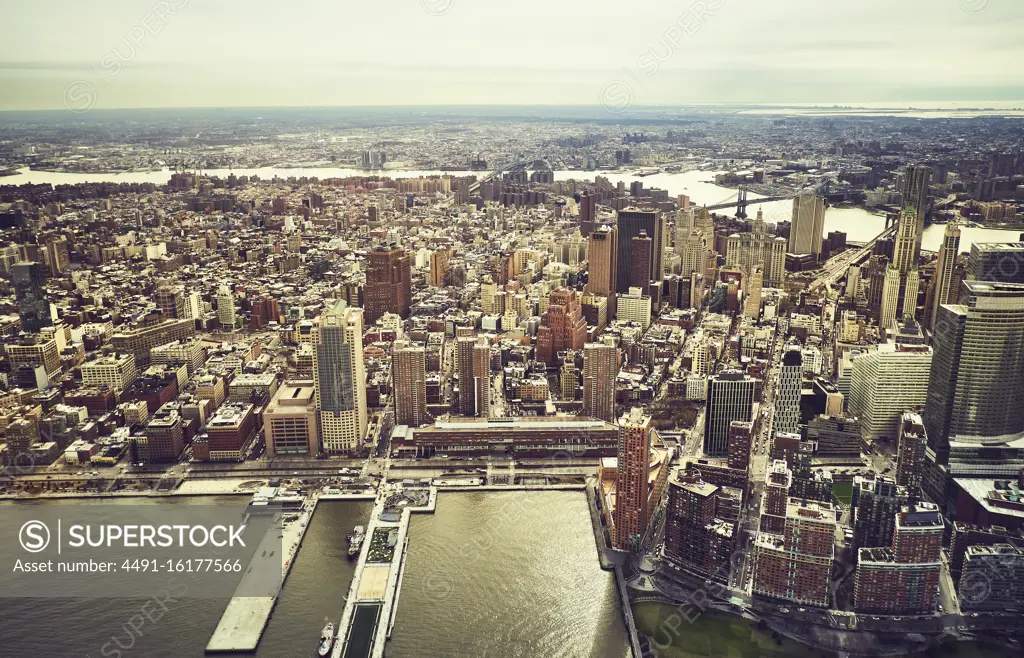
x=372 y=601
x=246 y=616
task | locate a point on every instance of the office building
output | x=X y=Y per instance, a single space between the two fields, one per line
x=290 y=421
x=914 y=190
x=163 y=440
x=992 y=578
x=887 y=382
x=563 y=326
x=976 y=392
x=943 y=291
x=640 y=261
x=730 y=398
x=115 y=371
x=635 y=307
x=902 y=279
x=602 y=265
x=140 y=339
x=835 y=435
x=29 y=281
x=808 y=225
x=409 y=382
x=631 y=478
x=340 y=378
x=999 y=262
x=229 y=433
x=600 y=368
x=170 y=299
x=630 y=223
x=752 y=296
x=226 y=314
x=758 y=249
x=388 y=282
x=787 y=396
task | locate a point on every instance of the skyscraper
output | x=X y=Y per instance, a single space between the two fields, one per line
x=976 y=392
x=28 y=280
x=943 y=292
x=226 y=307
x=563 y=326
x=694 y=538
x=600 y=368
x=482 y=377
x=752 y=300
x=388 y=282
x=787 y=397
x=588 y=213
x=808 y=225
x=171 y=301
x=796 y=564
x=902 y=280
x=630 y=223
x=902 y=578
x=340 y=378
x=730 y=397
x=758 y=249
x=640 y=261
x=409 y=382
x=631 y=478
x=887 y=382
x=1001 y=262
x=916 y=180
x=602 y=267
x=467 y=382
x=910 y=454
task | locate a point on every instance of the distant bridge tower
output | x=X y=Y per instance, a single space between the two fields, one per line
x=741 y=203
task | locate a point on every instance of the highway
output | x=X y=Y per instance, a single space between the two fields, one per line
x=837 y=267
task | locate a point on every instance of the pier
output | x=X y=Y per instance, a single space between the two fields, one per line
x=246 y=616
x=372 y=601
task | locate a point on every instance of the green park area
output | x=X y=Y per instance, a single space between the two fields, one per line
x=842 y=492
x=712 y=635
x=718 y=635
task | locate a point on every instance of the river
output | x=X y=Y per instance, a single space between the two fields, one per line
x=527 y=583
x=859 y=224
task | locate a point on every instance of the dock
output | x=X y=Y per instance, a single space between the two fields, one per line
x=372 y=601
x=246 y=615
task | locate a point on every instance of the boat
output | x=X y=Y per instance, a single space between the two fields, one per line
x=355 y=541
x=326 y=638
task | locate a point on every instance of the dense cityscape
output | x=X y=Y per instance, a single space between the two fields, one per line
x=564 y=330
x=818 y=434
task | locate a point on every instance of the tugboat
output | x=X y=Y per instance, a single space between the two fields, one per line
x=326 y=638
x=355 y=541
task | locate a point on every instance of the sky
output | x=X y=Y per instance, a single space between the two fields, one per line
x=218 y=53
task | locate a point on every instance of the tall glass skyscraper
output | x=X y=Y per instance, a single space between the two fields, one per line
x=976 y=392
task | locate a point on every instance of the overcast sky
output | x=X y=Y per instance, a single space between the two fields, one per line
x=183 y=53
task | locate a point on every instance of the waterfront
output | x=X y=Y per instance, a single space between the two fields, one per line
x=507 y=575
x=515 y=574
x=316 y=587
x=859 y=224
